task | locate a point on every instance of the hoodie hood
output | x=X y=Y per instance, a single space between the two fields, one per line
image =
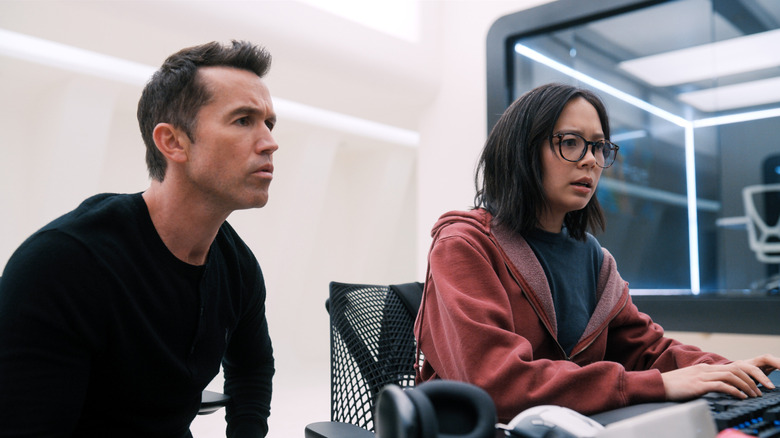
x=478 y=218
x=529 y=274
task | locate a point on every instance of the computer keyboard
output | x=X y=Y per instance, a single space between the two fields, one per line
x=757 y=416
x=701 y=418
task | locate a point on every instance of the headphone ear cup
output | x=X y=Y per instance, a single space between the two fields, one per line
x=427 y=421
x=395 y=416
x=463 y=410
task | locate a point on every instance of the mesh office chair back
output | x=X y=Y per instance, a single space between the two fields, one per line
x=763 y=237
x=372 y=345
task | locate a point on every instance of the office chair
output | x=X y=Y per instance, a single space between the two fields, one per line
x=210 y=401
x=763 y=238
x=372 y=345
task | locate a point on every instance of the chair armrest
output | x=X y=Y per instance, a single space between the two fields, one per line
x=211 y=402
x=335 y=429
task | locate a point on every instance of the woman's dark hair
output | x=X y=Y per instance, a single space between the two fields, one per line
x=174 y=94
x=509 y=173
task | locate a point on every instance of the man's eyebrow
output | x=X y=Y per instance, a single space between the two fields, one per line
x=243 y=110
x=250 y=110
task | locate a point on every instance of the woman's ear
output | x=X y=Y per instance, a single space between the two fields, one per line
x=172 y=142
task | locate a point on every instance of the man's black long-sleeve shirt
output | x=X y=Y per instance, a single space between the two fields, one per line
x=104 y=332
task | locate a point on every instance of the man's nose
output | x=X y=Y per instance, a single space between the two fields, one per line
x=267 y=144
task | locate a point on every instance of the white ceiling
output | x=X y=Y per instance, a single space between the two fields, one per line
x=350 y=58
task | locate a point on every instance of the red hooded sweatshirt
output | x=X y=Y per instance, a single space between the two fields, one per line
x=487 y=318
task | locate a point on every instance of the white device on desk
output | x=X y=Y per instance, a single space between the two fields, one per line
x=548 y=421
x=683 y=420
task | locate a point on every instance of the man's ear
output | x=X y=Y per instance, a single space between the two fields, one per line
x=172 y=142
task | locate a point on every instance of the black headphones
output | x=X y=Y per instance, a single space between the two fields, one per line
x=435 y=409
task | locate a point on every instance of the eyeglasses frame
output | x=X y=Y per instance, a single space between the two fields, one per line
x=588 y=145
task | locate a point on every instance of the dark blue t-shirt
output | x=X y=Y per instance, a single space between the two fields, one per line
x=572 y=270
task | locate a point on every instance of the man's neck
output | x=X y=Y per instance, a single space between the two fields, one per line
x=186 y=228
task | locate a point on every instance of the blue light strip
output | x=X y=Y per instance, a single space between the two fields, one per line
x=737 y=118
x=693 y=214
x=625 y=97
x=630 y=135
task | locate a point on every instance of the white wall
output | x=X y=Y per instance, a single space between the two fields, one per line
x=343 y=206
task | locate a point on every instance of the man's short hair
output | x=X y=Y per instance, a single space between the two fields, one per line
x=174 y=94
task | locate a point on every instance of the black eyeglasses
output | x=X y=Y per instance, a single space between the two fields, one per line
x=573 y=147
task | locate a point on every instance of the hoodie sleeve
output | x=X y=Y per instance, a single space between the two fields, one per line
x=639 y=344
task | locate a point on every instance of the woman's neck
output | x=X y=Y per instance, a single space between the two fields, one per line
x=550 y=223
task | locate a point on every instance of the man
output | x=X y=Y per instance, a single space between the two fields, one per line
x=114 y=317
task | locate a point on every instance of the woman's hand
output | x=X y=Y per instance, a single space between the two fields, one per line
x=739 y=379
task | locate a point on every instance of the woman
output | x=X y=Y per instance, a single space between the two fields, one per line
x=522 y=301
